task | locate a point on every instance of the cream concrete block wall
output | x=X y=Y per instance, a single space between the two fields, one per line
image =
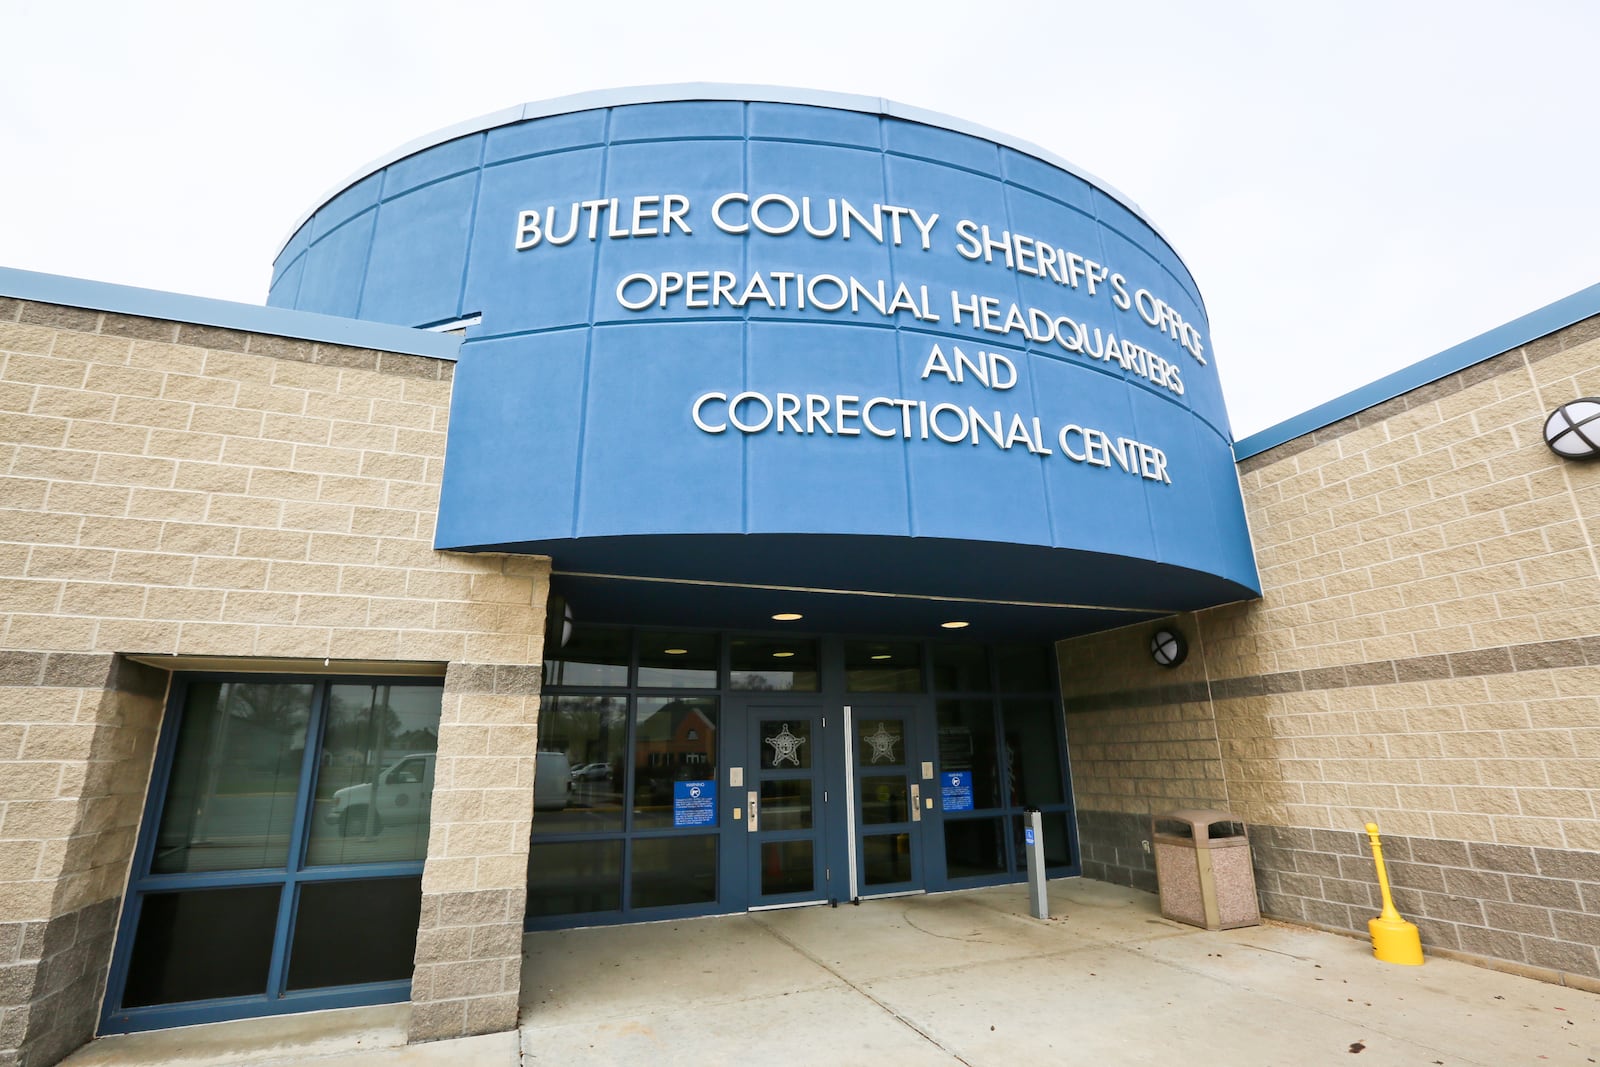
x=1441 y=557
x=174 y=489
x=1426 y=654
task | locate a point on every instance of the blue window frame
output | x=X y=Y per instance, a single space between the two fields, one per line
x=279 y=862
x=624 y=711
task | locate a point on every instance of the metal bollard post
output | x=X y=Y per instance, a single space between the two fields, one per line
x=1033 y=845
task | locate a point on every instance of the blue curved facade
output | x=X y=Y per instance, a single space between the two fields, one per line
x=868 y=358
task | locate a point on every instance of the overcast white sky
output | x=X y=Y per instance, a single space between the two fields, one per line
x=1355 y=185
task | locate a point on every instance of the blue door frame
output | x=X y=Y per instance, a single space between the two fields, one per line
x=739 y=856
x=290 y=879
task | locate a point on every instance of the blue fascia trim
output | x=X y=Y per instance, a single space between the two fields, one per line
x=1519 y=331
x=755 y=94
x=205 y=311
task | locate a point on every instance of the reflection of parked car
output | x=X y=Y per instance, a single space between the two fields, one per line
x=404 y=791
x=591 y=772
x=552 y=781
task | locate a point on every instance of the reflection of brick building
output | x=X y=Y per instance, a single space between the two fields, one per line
x=679 y=739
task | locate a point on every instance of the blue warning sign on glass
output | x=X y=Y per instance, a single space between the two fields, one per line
x=957 y=790
x=694 y=803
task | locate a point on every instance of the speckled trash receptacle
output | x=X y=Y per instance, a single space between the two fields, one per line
x=1203 y=869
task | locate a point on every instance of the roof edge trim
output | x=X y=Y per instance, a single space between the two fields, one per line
x=1519 y=331
x=206 y=311
x=756 y=94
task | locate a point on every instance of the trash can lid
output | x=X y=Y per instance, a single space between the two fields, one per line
x=1199 y=823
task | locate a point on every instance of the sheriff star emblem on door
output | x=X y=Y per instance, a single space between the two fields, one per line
x=883 y=743
x=785 y=747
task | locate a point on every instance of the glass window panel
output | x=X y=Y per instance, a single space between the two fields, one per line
x=966 y=743
x=678 y=660
x=175 y=953
x=1026 y=668
x=785 y=746
x=574 y=877
x=674 y=870
x=773 y=665
x=675 y=740
x=786 y=804
x=961 y=668
x=974 y=847
x=1035 y=761
x=886 y=858
x=884 y=799
x=883 y=666
x=375 y=774
x=348 y=933
x=787 y=867
x=594 y=656
x=880 y=741
x=587 y=733
x=1057 y=845
x=230 y=801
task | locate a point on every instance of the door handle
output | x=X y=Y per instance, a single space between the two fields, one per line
x=750 y=800
x=916 y=802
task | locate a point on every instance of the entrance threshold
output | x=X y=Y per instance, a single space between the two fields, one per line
x=783 y=907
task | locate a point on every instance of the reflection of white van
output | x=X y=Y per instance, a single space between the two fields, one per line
x=405 y=791
x=552 y=781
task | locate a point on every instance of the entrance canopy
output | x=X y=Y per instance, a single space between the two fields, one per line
x=801 y=347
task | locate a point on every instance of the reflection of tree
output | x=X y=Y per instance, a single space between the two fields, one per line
x=280 y=709
x=584 y=727
x=360 y=718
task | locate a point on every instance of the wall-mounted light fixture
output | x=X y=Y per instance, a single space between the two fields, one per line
x=556 y=607
x=1168 y=647
x=1573 y=430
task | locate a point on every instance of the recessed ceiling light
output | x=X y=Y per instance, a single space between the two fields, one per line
x=782 y=655
x=956 y=625
x=676 y=651
x=787 y=616
x=883 y=655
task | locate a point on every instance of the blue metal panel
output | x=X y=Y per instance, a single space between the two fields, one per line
x=335 y=268
x=583 y=129
x=285 y=291
x=675 y=121
x=297 y=244
x=347 y=205
x=452 y=157
x=942 y=146
x=408 y=289
x=800 y=171
x=638 y=464
x=1094 y=508
x=792 y=122
x=793 y=483
x=518 y=293
x=700 y=170
x=1117 y=215
x=517 y=379
x=574 y=420
x=1037 y=176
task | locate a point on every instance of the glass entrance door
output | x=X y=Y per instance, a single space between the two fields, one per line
x=786 y=804
x=889 y=798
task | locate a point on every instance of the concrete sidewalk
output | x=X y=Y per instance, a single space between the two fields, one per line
x=959 y=978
